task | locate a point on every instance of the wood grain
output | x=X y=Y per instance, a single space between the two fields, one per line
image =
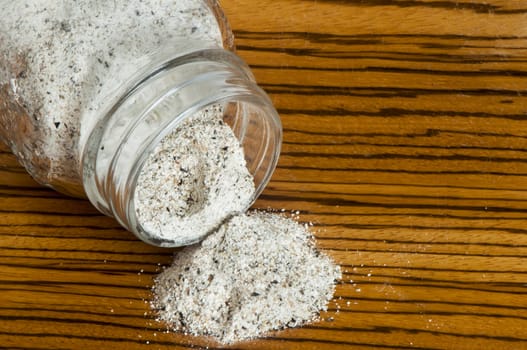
x=405 y=143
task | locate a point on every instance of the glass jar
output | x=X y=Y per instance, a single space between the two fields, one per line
x=87 y=91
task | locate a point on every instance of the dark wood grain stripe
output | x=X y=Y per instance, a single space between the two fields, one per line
x=350 y=170
x=430 y=253
x=401 y=70
x=416 y=330
x=397 y=113
x=408 y=186
x=384 y=92
x=410 y=146
x=110 y=252
x=476 y=7
x=116 y=339
x=53 y=213
x=401 y=156
x=438 y=302
x=417 y=242
x=355 y=202
x=396 y=56
x=334 y=37
x=452 y=286
x=312 y=194
x=428 y=133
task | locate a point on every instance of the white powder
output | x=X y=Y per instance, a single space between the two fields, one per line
x=61 y=59
x=258 y=272
x=195 y=178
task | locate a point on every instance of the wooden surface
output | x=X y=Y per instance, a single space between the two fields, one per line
x=405 y=143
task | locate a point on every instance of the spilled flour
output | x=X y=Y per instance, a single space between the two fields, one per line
x=256 y=273
x=195 y=178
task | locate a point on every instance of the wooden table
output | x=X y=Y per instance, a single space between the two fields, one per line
x=405 y=143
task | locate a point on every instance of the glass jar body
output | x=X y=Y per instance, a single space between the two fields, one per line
x=62 y=61
x=159 y=101
x=99 y=109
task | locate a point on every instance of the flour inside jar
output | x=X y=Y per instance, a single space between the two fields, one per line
x=196 y=178
x=62 y=60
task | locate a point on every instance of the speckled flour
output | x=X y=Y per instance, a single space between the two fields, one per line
x=258 y=272
x=61 y=59
x=195 y=178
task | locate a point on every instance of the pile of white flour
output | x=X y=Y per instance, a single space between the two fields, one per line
x=258 y=272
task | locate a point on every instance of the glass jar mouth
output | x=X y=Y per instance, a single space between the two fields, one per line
x=257 y=127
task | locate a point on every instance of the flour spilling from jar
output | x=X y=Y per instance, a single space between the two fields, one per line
x=253 y=273
x=68 y=67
